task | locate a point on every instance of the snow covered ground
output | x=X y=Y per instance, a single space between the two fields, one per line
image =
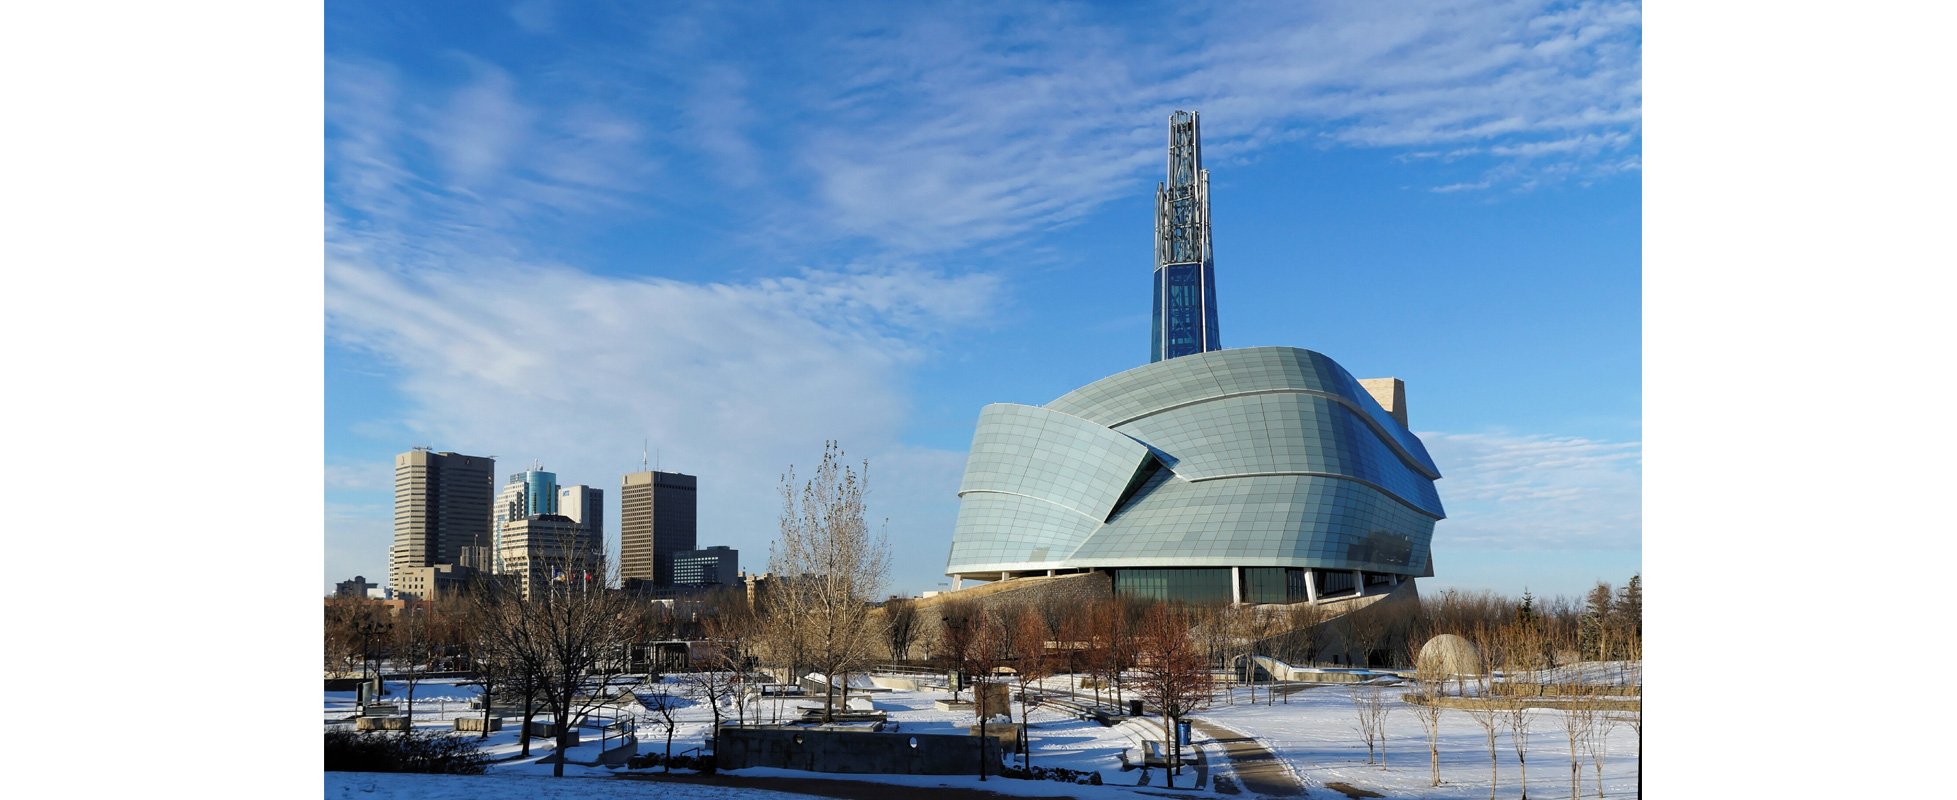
x=384 y=786
x=1313 y=735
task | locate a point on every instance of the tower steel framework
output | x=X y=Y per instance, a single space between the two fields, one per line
x=1185 y=275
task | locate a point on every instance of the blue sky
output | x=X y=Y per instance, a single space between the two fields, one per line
x=553 y=232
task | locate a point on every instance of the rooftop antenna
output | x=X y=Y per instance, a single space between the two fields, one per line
x=642 y=454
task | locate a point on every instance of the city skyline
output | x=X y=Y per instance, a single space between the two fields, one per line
x=859 y=262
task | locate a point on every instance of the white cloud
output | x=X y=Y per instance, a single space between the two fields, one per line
x=1510 y=491
x=731 y=382
x=360 y=477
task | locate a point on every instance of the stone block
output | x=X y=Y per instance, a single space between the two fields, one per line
x=380 y=723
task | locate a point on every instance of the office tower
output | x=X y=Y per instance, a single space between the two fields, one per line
x=551 y=550
x=525 y=494
x=586 y=505
x=442 y=510
x=718 y=564
x=1185 y=277
x=656 y=519
x=539 y=492
x=509 y=508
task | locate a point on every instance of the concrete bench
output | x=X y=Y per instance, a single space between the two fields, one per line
x=380 y=710
x=476 y=723
x=380 y=724
x=1153 y=755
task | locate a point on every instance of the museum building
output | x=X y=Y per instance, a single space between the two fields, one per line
x=1255 y=475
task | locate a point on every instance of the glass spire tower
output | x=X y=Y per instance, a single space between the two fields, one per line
x=1185 y=277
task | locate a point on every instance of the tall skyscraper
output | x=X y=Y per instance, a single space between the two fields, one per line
x=525 y=494
x=442 y=511
x=1185 y=276
x=657 y=518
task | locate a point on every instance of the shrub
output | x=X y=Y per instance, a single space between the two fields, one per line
x=1061 y=774
x=405 y=751
x=704 y=764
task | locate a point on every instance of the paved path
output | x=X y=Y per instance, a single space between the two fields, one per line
x=843 y=789
x=1260 y=772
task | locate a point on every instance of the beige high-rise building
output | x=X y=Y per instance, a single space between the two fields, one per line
x=441 y=511
x=546 y=549
x=657 y=517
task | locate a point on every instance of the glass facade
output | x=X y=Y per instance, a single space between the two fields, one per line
x=1269 y=458
x=1275 y=585
x=1185 y=310
x=539 y=492
x=1197 y=586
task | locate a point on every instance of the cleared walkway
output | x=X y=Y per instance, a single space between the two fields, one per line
x=1258 y=769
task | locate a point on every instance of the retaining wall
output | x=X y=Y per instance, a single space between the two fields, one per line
x=854 y=751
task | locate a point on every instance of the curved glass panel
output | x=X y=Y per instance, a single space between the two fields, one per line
x=1120 y=398
x=1263 y=433
x=1278 y=520
x=1009 y=532
x=1031 y=451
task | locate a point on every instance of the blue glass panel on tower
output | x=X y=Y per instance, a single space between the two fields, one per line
x=1182 y=310
x=1211 y=340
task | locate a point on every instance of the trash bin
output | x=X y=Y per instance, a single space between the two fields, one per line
x=1134 y=708
x=1182 y=733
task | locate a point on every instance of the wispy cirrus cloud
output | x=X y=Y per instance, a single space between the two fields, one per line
x=931 y=130
x=1523 y=492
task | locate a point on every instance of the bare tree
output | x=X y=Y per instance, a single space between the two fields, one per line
x=954 y=645
x=658 y=697
x=1173 y=678
x=1260 y=629
x=1482 y=709
x=417 y=645
x=728 y=632
x=1369 y=705
x=900 y=620
x=831 y=565
x=511 y=652
x=1030 y=665
x=1366 y=630
x=1599 y=745
x=989 y=647
x=1430 y=686
x=580 y=630
x=1579 y=712
x=1524 y=652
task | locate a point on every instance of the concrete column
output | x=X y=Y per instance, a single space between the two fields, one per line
x=1236 y=586
x=1311 y=586
x=1005 y=576
x=1049 y=573
x=957 y=582
x=1359 y=580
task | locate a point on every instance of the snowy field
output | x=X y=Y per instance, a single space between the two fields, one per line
x=1313 y=735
